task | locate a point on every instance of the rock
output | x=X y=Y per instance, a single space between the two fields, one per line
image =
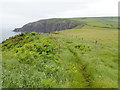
x=46 y=26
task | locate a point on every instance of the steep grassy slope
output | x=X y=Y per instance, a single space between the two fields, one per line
x=83 y=57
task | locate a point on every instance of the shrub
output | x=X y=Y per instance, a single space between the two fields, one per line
x=22 y=34
x=26 y=32
x=33 y=33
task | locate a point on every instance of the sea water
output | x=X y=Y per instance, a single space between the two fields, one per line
x=6 y=33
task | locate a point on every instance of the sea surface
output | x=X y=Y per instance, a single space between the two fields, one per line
x=6 y=33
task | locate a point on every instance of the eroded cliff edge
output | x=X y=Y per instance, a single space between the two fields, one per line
x=47 y=25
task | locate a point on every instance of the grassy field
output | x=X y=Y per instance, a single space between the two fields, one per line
x=83 y=57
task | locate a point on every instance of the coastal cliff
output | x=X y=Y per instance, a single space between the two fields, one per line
x=47 y=25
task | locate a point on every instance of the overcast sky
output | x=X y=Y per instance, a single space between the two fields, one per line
x=15 y=13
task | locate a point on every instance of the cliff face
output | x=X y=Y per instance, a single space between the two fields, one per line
x=46 y=26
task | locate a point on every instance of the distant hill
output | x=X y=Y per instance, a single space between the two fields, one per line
x=57 y=24
x=47 y=25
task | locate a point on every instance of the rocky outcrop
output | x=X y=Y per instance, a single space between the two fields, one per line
x=48 y=25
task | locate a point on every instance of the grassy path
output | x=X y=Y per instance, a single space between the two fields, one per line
x=75 y=56
x=82 y=68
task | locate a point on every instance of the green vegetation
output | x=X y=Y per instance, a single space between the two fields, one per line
x=83 y=57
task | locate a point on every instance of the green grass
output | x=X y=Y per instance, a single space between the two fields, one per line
x=0 y=68
x=101 y=61
x=83 y=57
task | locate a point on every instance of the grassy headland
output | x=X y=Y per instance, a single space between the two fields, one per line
x=83 y=57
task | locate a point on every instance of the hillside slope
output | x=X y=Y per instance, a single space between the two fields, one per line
x=83 y=57
x=57 y=24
